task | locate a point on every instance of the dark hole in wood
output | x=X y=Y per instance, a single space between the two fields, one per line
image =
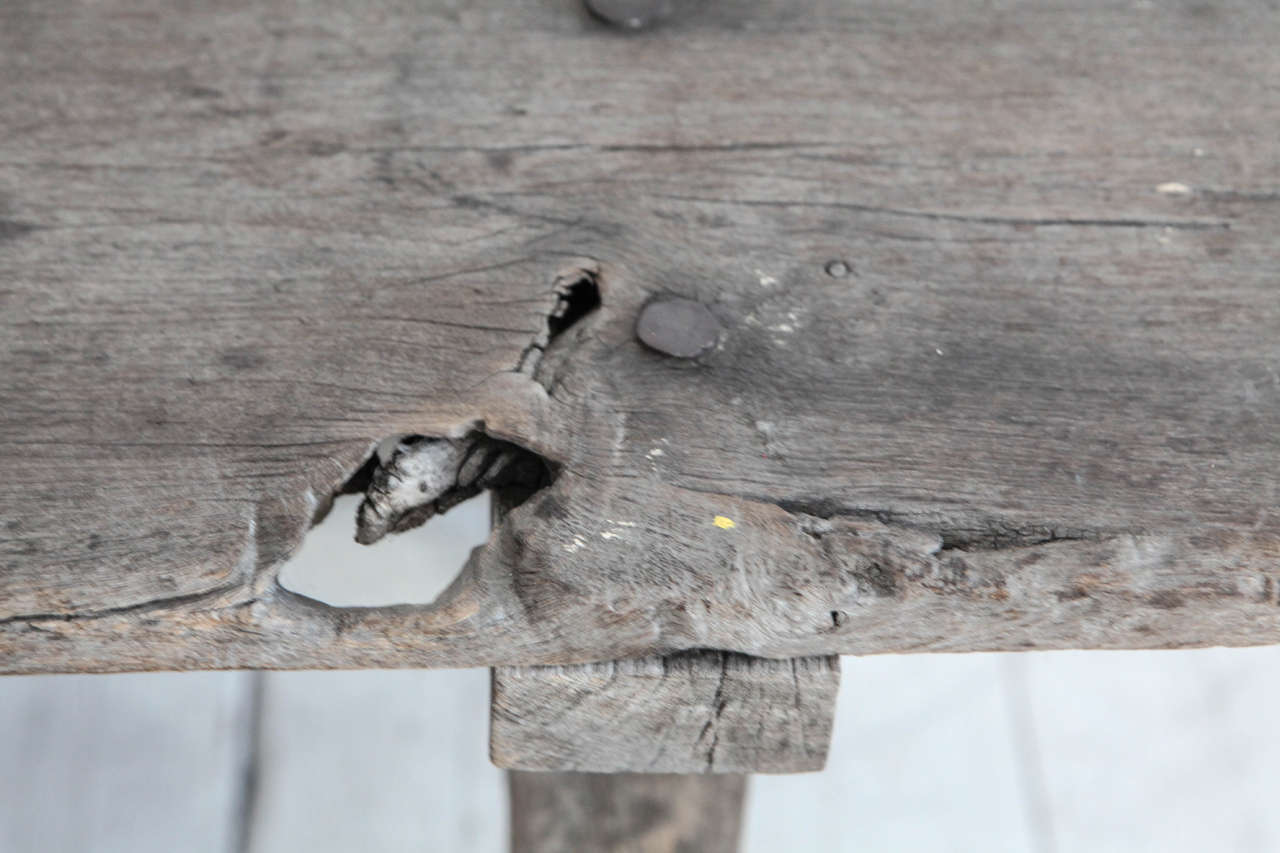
x=417 y=569
x=576 y=301
x=359 y=481
x=330 y=568
x=517 y=480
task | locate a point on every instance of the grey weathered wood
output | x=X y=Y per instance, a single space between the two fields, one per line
x=625 y=813
x=700 y=712
x=693 y=712
x=241 y=245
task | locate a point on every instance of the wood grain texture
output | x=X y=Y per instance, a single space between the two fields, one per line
x=700 y=712
x=1000 y=365
x=625 y=813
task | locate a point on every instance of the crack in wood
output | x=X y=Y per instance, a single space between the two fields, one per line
x=718 y=702
x=986 y=536
x=577 y=294
x=156 y=605
x=978 y=219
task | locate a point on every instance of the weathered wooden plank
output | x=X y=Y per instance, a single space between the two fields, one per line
x=997 y=284
x=699 y=712
x=645 y=813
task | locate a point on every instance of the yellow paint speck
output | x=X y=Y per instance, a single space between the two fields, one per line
x=724 y=523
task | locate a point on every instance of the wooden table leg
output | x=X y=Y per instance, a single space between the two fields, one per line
x=625 y=812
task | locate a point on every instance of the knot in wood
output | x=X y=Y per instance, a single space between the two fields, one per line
x=678 y=327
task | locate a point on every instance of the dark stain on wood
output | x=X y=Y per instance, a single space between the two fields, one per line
x=880 y=579
x=13 y=229
x=243 y=358
x=1074 y=593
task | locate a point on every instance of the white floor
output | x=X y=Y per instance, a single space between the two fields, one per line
x=1068 y=751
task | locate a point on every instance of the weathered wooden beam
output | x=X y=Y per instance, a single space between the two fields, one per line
x=638 y=813
x=699 y=712
x=995 y=368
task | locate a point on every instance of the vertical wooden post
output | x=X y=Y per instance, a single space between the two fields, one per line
x=631 y=812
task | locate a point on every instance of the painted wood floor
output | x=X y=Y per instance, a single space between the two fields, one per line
x=1045 y=752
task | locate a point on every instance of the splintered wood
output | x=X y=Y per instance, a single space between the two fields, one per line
x=701 y=712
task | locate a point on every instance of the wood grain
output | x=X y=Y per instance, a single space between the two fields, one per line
x=1000 y=361
x=699 y=712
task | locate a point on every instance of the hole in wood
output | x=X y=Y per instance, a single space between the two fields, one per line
x=577 y=300
x=332 y=568
x=441 y=490
x=577 y=294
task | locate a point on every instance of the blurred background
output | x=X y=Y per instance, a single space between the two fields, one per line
x=1042 y=752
